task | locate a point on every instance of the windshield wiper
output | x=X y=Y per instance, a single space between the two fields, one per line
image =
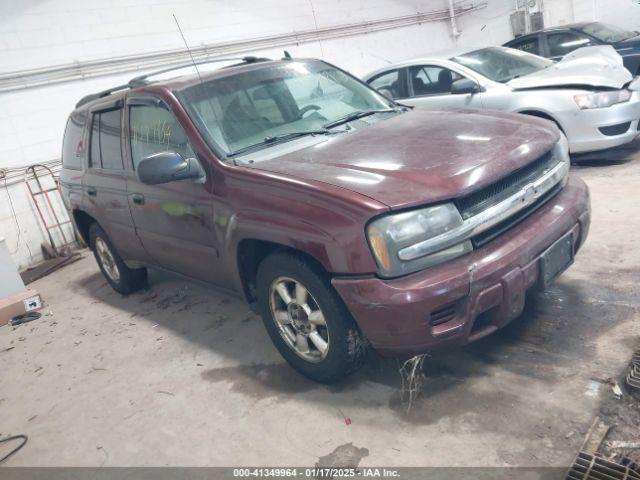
x=357 y=115
x=283 y=138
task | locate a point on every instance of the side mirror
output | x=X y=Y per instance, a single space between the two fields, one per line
x=165 y=167
x=464 y=85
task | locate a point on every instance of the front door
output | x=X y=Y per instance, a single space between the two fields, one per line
x=174 y=221
x=430 y=86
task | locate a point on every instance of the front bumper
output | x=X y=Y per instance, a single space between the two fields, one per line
x=601 y=128
x=475 y=294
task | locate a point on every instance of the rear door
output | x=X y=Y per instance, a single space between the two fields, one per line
x=104 y=183
x=174 y=221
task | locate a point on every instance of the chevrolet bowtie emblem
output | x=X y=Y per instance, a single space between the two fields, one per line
x=529 y=194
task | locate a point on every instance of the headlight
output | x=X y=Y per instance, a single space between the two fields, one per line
x=390 y=234
x=407 y=242
x=602 y=99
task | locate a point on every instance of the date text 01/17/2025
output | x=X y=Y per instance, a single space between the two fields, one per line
x=316 y=472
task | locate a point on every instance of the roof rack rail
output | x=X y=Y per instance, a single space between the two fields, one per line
x=143 y=80
x=246 y=60
x=101 y=94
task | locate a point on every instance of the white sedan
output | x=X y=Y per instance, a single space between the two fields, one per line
x=588 y=94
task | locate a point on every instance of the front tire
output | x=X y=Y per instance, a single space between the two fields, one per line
x=306 y=319
x=122 y=279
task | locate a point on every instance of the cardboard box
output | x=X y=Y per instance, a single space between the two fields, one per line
x=19 y=304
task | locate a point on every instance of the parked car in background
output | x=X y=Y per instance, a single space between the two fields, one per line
x=345 y=219
x=556 y=42
x=589 y=94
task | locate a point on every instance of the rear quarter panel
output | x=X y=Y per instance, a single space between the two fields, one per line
x=70 y=182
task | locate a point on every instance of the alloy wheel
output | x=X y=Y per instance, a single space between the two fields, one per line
x=107 y=260
x=299 y=319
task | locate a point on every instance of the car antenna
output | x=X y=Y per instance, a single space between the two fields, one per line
x=195 y=65
x=187 y=47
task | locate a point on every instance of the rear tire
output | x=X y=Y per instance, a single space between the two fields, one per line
x=306 y=319
x=122 y=279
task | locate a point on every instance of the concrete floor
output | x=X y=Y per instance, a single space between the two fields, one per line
x=185 y=375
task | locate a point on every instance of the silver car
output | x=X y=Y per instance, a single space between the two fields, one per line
x=589 y=94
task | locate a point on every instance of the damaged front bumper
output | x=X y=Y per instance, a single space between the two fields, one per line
x=470 y=297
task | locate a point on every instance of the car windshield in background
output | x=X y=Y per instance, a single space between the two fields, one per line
x=502 y=64
x=280 y=102
x=607 y=33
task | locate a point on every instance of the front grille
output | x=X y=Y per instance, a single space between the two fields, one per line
x=488 y=235
x=493 y=194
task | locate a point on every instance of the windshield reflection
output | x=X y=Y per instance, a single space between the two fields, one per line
x=281 y=102
x=502 y=64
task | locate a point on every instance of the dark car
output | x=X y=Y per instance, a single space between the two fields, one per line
x=345 y=219
x=556 y=42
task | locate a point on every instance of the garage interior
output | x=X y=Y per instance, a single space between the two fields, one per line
x=182 y=374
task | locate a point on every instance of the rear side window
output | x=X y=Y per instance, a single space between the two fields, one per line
x=106 y=149
x=387 y=83
x=529 y=45
x=72 y=145
x=154 y=129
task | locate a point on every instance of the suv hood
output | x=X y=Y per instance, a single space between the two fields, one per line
x=599 y=66
x=421 y=156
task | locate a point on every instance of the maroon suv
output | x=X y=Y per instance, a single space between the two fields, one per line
x=345 y=219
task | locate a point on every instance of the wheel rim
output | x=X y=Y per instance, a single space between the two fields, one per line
x=299 y=319
x=107 y=260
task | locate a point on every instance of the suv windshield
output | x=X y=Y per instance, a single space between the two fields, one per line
x=502 y=64
x=277 y=103
x=607 y=33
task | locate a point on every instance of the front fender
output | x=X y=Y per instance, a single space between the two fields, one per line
x=284 y=230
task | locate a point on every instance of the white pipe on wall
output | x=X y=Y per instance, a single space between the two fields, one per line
x=454 y=26
x=31 y=78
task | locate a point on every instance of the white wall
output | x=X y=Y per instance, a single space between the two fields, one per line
x=40 y=33
x=624 y=13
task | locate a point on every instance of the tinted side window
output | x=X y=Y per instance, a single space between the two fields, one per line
x=562 y=43
x=154 y=129
x=106 y=150
x=110 y=148
x=387 y=83
x=94 y=155
x=72 y=147
x=431 y=80
x=529 y=45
